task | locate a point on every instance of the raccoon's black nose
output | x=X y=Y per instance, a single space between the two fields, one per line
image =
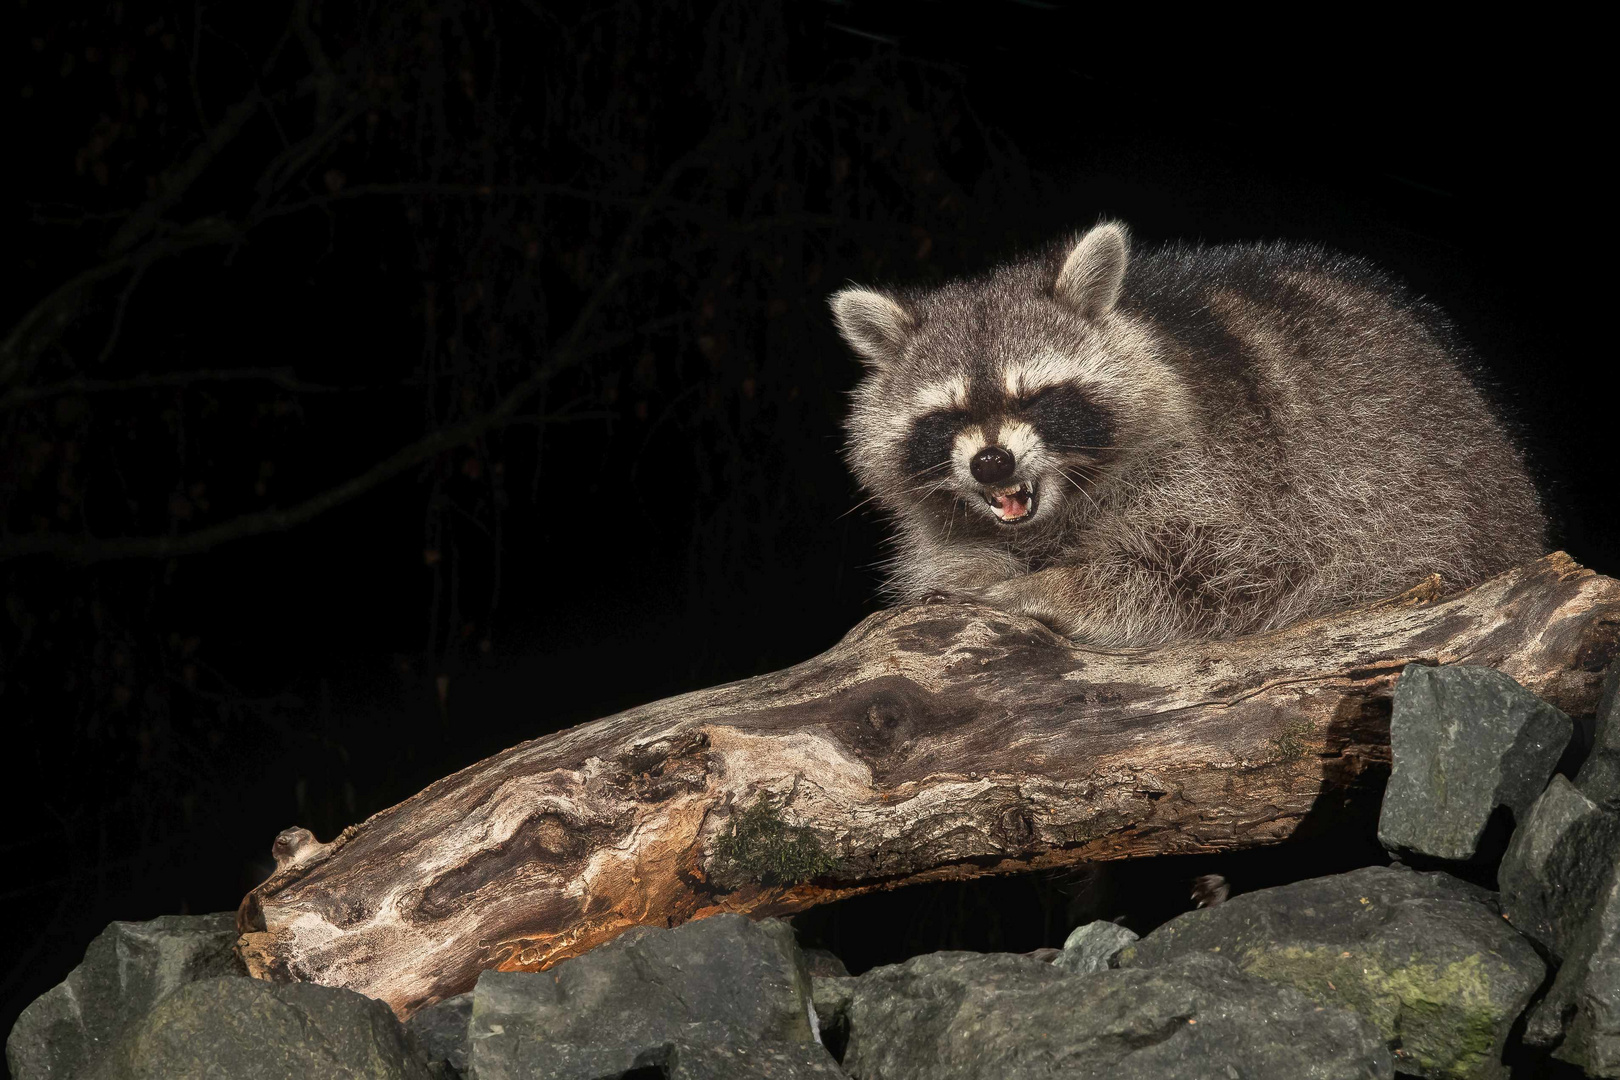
x=992 y=465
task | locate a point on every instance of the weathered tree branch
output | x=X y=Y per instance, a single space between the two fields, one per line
x=176 y=182
x=568 y=352
x=147 y=235
x=933 y=742
x=43 y=323
x=96 y=549
x=90 y=549
x=283 y=377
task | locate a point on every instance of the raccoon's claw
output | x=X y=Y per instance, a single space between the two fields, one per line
x=951 y=598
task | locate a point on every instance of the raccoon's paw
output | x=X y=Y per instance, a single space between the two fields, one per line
x=1014 y=599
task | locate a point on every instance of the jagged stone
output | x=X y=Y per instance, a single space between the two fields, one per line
x=1464 y=741
x=1558 y=865
x=1424 y=957
x=822 y=964
x=438 y=1033
x=1549 y=1017
x=1088 y=948
x=246 y=1029
x=1599 y=778
x=1580 y=1014
x=651 y=998
x=965 y=1016
x=754 y=1061
x=830 y=996
x=126 y=970
x=729 y=1059
x=1593 y=1038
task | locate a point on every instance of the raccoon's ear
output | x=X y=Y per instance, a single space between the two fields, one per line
x=875 y=324
x=1093 y=271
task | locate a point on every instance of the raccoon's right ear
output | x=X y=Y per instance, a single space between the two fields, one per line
x=875 y=324
x=1092 y=273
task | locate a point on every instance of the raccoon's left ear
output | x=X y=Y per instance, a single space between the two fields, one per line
x=1092 y=273
x=875 y=324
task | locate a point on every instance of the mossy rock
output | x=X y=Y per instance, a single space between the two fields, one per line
x=1426 y=958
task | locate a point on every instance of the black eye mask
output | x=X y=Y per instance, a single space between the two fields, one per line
x=931 y=442
x=1068 y=421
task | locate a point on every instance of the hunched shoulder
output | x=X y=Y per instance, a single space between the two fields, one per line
x=1180 y=273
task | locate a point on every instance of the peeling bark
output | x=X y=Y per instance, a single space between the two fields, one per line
x=933 y=742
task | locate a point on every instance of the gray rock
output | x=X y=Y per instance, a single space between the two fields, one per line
x=251 y=1030
x=1427 y=959
x=757 y=1061
x=1568 y=847
x=1088 y=948
x=674 y=1060
x=967 y=1016
x=822 y=964
x=438 y=1033
x=1558 y=864
x=1545 y=1025
x=1464 y=741
x=1580 y=1015
x=647 y=999
x=1593 y=1039
x=1599 y=778
x=127 y=969
x=830 y=997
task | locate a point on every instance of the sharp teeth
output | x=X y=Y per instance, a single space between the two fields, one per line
x=1019 y=496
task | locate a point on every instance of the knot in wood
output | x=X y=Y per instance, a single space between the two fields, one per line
x=882 y=715
x=1017 y=827
x=658 y=770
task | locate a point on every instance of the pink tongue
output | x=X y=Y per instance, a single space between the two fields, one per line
x=1011 y=506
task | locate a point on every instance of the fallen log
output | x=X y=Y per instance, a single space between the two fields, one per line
x=933 y=742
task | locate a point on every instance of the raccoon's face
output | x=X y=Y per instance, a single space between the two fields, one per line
x=1006 y=443
x=993 y=405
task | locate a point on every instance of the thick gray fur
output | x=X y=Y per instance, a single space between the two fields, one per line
x=1240 y=438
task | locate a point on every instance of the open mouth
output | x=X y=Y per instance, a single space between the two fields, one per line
x=1012 y=505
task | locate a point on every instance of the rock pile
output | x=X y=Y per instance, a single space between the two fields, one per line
x=1468 y=741
x=1383 y=971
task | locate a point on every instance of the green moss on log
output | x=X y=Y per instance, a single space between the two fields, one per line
x=1294 y=740
x=763 y=849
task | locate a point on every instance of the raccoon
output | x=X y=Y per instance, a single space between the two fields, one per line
x=1191 y=443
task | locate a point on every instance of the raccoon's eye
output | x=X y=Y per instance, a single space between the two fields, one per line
x=1068 y=420
x=932 y=437
x=1052 y=401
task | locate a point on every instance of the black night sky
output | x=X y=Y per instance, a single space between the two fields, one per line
x=384 y=384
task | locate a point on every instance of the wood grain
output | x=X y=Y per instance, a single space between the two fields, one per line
x=932 y=742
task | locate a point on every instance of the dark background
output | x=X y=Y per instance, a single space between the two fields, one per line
x=517 y=311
